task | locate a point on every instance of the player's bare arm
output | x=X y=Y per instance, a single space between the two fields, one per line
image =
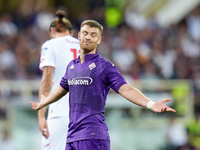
x=53 y=97
x=136 y=97
x=45 y=88
x=46 y=81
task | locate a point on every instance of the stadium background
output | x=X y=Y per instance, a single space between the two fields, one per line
x=154 y=43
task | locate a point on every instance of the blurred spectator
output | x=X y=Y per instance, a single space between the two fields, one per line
x=25 y=15
x=46 y=15
x=134 y=18
x=7 y=27
x=7 y=61
x=96 y=10
x=191 y=49
x=135 y=70
x=163 y=58
x=123 y=57
x=176 y=136
x=143 y=49
x=6 y=143
x=193 y=22
x=105 y=48
x=150 y=72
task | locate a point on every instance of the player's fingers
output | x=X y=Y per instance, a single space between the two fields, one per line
x=45 y=133
x=166 y=100
x=170 y=109
x=32 y=105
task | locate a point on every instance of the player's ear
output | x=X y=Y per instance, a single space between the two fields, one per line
x=99 y=41
x=52 y=30
x=79 y=35
x=72 y=33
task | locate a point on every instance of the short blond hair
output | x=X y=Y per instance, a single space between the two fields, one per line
x=93 y=23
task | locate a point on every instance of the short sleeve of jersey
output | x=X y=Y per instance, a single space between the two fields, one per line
x=47 y=55
x=113 y=77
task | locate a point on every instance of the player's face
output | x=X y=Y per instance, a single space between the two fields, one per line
x=89 y=38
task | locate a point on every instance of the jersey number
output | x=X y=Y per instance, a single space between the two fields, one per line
x=74 y=51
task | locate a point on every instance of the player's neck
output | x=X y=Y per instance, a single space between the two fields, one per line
x=84 y=52
x=62 y=34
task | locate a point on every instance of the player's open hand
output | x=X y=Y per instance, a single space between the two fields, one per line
x=160 y=106
x=37 y=106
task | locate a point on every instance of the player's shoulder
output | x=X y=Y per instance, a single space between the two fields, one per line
x=68 y=38
x=72 y=63
x=72 y=38
x=47 y=44
x=105 y=62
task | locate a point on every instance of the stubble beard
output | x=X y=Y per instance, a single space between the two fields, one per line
x=87 y=49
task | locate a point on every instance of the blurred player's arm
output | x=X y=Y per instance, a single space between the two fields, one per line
x=45 y=88
x=44 y=91
x=135 y=96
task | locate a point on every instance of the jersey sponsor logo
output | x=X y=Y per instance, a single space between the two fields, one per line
x=92 y=66
x=80 y=81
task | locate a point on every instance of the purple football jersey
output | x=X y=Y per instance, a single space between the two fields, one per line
x=88 y=85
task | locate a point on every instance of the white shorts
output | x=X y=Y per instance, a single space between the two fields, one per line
x=58 y=127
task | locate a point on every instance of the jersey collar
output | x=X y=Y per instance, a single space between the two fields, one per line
x=88 y=57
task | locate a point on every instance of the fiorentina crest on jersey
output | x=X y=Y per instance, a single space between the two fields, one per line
x=92 y=66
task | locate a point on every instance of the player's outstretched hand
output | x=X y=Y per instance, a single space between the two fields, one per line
x=160 y=106
x=37 y=106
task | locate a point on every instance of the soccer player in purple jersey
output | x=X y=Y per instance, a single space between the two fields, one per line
x=88 y=80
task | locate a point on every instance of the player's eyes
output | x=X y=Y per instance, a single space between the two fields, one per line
x=84 y=33
x=94 y=35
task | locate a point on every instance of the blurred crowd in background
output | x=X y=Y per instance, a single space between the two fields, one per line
x=139 y=46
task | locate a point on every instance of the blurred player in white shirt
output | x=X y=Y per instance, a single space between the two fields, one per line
x=56 y=53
